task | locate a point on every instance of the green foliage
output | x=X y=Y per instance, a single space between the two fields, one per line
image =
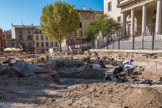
x=93 y=30
x=109 y=26
x=105 y=24
x=58 y=20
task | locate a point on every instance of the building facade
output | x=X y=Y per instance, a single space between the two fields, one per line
x=77 y=39
x=1 y=40
x=138 y=17
x=8 y=41
x=30 y=39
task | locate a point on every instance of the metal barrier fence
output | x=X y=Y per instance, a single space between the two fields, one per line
x=153 y=42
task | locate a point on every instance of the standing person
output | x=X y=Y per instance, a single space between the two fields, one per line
x=46 y=57
x=96 y=54
x=88 y=54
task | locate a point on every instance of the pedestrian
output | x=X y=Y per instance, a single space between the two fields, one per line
x=88 y=54
x=96 y=54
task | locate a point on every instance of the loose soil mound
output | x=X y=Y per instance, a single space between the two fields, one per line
x=144 y=98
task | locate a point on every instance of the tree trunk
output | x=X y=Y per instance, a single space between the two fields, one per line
x=107 y=43
x=60 y=48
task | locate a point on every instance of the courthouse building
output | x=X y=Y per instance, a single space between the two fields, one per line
x=137 y=17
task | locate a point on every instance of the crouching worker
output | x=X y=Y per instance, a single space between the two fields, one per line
x=117 y=71
x=102 y=65
x=129 y=68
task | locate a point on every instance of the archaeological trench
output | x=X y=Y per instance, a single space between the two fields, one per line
x=65 y=81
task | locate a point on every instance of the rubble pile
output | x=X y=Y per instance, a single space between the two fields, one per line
x=106 y=60
x=58 y=63
x=9 y=72
x=71 y=68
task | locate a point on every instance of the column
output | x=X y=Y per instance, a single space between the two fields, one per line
x=158 y=18
x=132 y=22
x=123 y=24
x=144 y=20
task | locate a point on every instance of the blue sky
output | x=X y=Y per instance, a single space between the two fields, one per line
x=29 y=11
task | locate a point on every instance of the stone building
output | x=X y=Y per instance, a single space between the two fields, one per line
x=137 y=17
x=77 y=39
x=8 y=41
x=1 y=40
x=31 y=39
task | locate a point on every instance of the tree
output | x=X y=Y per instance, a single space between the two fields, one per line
x=58 y=20
x=93 y=30
x=108 y=27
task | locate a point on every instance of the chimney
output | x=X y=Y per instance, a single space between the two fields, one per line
x=74 y=7
x=90 y=9
x=84 y=8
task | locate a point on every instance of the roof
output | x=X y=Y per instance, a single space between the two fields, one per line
x=89 y=11
x=25 y=26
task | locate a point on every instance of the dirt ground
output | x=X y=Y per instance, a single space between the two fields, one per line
x=41 y=92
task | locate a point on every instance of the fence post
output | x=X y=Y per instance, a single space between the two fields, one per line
x=133 y=43
x=118 y=43
x=113 y=44
x=142 y=41
x=153 y=36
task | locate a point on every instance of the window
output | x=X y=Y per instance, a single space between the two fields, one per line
x=97 y=17
x=46 y=38
x=37 y=44
x=20 y=31
x=37 y=31
x=42 y=44
x=80 y=24
x=80 y=17
x=30 y=44
x=80 y=41
x=109 y=6
x=69 y=42
x=118 y=2
x=29 y=31
x=56 y=44
x=42 y=38
x=85 y=17
x=154 y=11
x=91 y=17
x=51 y=44
x=37 y=37
x=29 y=37
x=20 y=37
x=119 y=19
x=75 y=33
x=46 y=44
x=69 y=34
x=80 y=32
